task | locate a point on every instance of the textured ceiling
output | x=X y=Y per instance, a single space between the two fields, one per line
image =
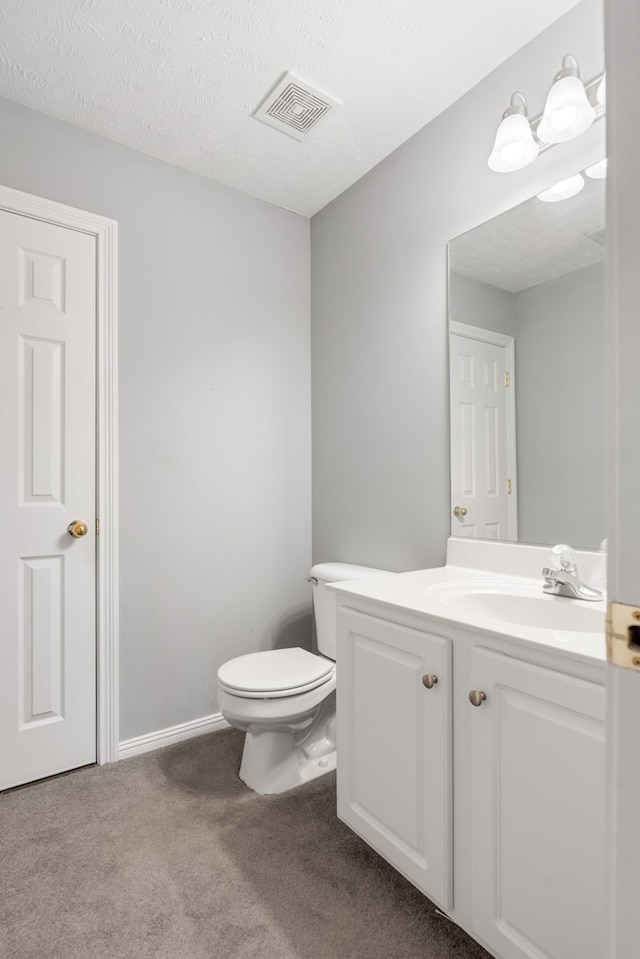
x=179 y=79
x=534 y=242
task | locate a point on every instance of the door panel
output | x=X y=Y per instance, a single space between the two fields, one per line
x=41 y=640
x=394 y=750
x=538 y=858
x=41 y=426
x=47 y=480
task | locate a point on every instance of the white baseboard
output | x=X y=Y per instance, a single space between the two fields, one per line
x=174 y=734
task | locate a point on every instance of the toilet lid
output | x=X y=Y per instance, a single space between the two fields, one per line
x=275 y=672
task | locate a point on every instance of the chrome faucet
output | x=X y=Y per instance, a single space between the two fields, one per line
x=565 y=581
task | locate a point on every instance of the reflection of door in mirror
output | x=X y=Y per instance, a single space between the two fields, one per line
x=483 y=455
x=535 y=273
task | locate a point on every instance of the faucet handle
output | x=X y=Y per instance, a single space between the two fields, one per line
x=563 y=557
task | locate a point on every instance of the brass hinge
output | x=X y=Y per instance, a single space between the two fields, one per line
x=507 y=378
x=623 y=635
x=509 y=487
x=97 y=527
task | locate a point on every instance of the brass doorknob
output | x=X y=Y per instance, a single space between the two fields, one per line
x=477 y=697
x=77 y=528
x=460 y=510
x=429 y=681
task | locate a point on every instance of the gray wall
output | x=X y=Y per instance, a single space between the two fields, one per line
x=214 y=406
x=561 y=409
x=480 y=304
x=379 y=317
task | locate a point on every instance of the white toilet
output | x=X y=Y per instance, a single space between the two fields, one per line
x=285 y=699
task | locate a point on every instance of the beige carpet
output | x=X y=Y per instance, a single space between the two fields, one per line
x=169 y=856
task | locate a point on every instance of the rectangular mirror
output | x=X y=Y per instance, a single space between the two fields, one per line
x=527 y=373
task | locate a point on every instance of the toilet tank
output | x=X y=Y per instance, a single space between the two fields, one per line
x=324 y=600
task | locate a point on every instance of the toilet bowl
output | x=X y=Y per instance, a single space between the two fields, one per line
x=284 y=699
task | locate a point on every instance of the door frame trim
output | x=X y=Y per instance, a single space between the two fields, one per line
x=105 y=232
x=508 y=342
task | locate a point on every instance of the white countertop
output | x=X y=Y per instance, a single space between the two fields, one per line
x=414 y=592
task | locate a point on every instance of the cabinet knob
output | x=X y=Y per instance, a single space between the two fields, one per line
x=429 y=681
x=477 y=697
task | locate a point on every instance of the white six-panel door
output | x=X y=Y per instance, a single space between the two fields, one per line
x=483 y=477
x=47 y=480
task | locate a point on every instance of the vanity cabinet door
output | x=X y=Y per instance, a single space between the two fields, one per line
x=394 y=745
x=538 y=810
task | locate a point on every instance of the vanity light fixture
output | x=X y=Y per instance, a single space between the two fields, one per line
x=570 y=109
x=514 y=146
x=598 y=171
x=563 y=190
x=567 y=112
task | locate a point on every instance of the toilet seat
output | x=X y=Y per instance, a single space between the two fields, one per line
x=275 y=673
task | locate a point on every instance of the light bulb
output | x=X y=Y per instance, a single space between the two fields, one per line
x=514 y=146
x=513 y=153
x=563 y=190
x=598 y=171
x=567 y=112
x=564 y=117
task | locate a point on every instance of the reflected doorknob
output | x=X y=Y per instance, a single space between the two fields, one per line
x=77 y=529
x=460 y=510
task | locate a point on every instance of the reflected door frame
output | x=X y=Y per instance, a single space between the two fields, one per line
x=105 y=232
x=508 y=344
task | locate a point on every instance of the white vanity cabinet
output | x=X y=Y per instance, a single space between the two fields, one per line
x=394 y=744
x=537 y=779
x=495 y=811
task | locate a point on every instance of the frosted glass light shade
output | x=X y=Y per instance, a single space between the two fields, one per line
x=563 y=190
x=601 y=92
x=598 y=171
x=567 y=112
x=514 y=146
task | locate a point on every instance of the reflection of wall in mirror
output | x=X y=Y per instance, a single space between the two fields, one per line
x=560 y=397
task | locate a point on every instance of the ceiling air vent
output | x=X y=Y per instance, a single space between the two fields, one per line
x=599 y=236
x=294 y=107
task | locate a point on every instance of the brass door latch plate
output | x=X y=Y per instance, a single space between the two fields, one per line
x=623 y=635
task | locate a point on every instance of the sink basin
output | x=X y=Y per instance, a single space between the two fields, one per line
x=520 y=605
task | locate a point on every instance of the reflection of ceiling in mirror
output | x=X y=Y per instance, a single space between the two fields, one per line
x=534 y=241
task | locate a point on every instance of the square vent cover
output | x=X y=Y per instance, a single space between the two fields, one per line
x=295 y=107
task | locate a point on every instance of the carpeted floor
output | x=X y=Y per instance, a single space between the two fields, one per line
x=169 y=856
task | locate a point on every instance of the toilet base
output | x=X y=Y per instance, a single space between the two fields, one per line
x=275 y=760
x=271 y=762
